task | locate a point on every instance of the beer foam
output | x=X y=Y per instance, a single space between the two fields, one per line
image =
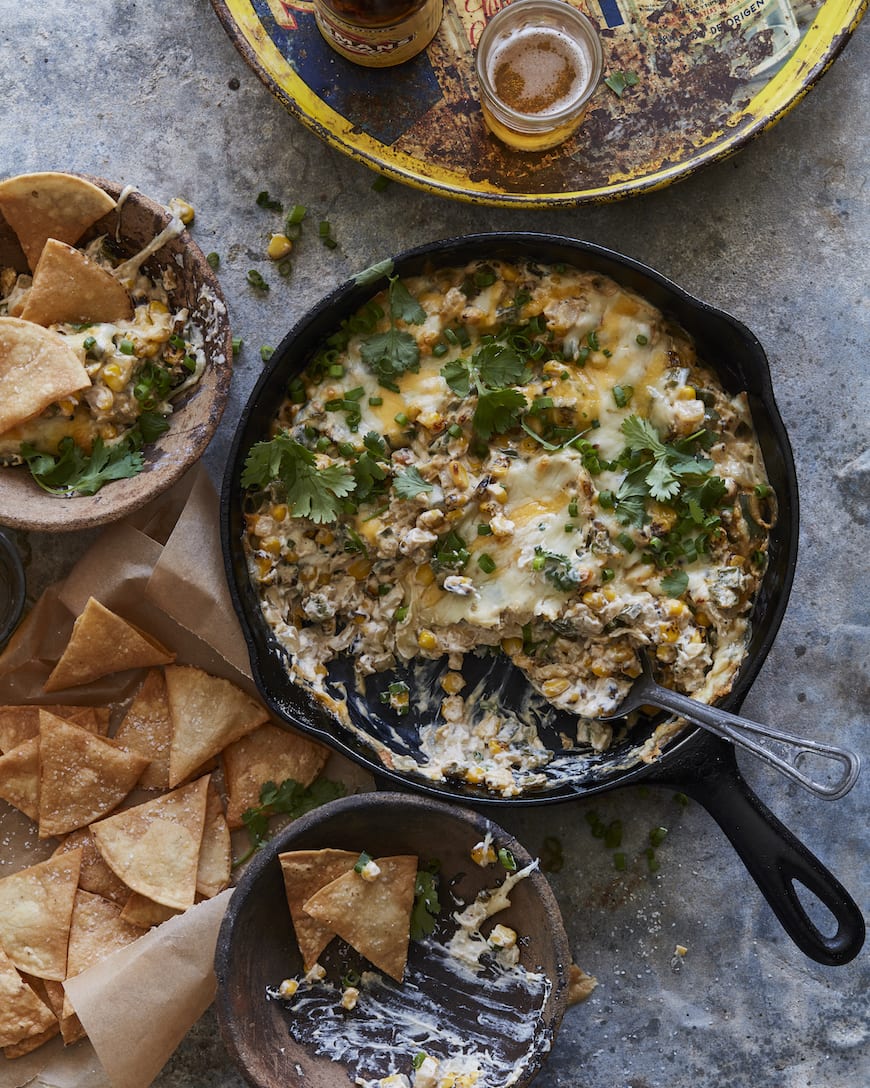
x=538 y=70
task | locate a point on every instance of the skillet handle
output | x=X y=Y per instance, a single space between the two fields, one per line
x=775 y=859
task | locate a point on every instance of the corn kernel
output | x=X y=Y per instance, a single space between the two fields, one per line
x=113 y=377
x=104 y=399
x=278 y=511
x=676 y=608
x=359 y=568
x=349 y=997
x=600 y=670
x=156 y=306
x=431 y=596
x=498 y=492
x=483 y=854
x=424 y=575
x=474 y=775
x=453 y=682
x=264 y=566
x=272 y=545
x=702 y=619
x=108 y=431
x=459 y=475
x=502 y=936
x=669 y=632
x=426 y=640
x=288 y=987
x=609 y=593
x=68 y=405
x=324 y=537
x=279 y=247
x=686 y=393
x=511 y=646
x=593 y=599
x=555 y=686
x=182 y=209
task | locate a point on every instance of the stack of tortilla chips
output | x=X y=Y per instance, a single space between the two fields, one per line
x=125 y=860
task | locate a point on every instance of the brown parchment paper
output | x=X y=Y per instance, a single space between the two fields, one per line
x=162 y=569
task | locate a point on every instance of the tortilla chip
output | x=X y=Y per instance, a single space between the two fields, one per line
x=51 y=205
x=208 y=713
x=35 y=911
x=96 y=931
x=19 y=778
x=306 y=872
x=154 y=848
x=147 y=729
x=37 y=368
x=215 y=851
x=70 y=1026
x=81 y=777
x=69 y=286
x=22 y=1014
x=31 y=1043
x=95 y=875
x=269 y=754
x=373 y=916
x=20 y=723
x=101 y=643
x=144 y=913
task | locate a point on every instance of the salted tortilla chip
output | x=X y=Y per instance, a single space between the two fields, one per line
x=81 y=777
x=31 y=1043
x=306 y=872
x=373 y=916
x=50 y=205
x=154 y=848
x=35 y=912
x=70 y=1026
x=96 y=931
x=95 y=875
x=22 y=1014
x=101 y=643
x=69 y=286
x=37 y=368
x=215 y=851
x=144 y=913
x=147 y=729
x=208 y=713
x=19 y=778
x=20 y=723
x=269 y=754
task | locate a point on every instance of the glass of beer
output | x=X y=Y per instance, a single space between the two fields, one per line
x=538 y=62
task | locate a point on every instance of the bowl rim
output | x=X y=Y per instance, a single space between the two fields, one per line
x=113 y=501
x=391 y=802
x=671 y=298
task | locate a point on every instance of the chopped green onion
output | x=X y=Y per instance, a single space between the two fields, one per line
x=126 y=347
x=572 y=508
x=401 y=419
x=619 y=861
x=484 y=530
x=285 y=267
x=641 y=339
x=401 y=613
x=622 y=394
x=439 y=350
x=375 y=402
x=237 y=344
x=454 y=430
x=625 y=541
x=213 y=260
x=256 y=280
x=607 y=574
x=613 y=834
x=336 y=371
x=265 y=201
x=89 y=342
x=657 y=836
x=266 y=353
x=486 y=563
x=362 y=862
x=508 y=861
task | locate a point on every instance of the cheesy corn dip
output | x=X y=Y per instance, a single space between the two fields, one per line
x=516 y=459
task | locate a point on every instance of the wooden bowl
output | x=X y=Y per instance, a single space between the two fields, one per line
x=257 y=949
x=23 y=505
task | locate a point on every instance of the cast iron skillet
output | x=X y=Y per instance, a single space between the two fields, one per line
x=695 y=762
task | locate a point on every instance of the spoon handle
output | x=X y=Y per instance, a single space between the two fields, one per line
x=741 y=731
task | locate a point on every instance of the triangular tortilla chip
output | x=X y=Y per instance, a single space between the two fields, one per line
x=306 y=872
x=19 y=778
x=269 y=754
x=31 y=1043
x=373 y=916
x=22 y=1014
x=37 y=368
x=81 y=776
x=35 y=911
x=215 y=851
x=69 y=286
x=20 y=723
x=147 y=729
x=95 y=875
x=101 y=643
x=70 y=1025
x=144 y=913
x=96 y=931
x=51 y=205
x=208 y=713
x=154 y=848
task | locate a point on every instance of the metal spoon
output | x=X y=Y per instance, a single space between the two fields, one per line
x=647 y=692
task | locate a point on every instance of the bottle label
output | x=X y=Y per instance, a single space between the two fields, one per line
x=380 y=46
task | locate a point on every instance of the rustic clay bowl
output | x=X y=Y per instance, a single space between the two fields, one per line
x=256 y=946
x=23 y=504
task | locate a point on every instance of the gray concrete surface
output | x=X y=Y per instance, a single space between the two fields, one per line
x=156 y=95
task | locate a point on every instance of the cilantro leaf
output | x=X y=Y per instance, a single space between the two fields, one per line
x=291 y=798
x=497 y=410
x=424 y=913
x=389 y=354
x=499 y=365
x=312 y=492
x=675 y=583
x=403 y=305
x=73 y=471
x=457 y=374
x=410 y=483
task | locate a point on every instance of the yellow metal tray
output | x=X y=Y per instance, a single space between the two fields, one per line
x=710 y=76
